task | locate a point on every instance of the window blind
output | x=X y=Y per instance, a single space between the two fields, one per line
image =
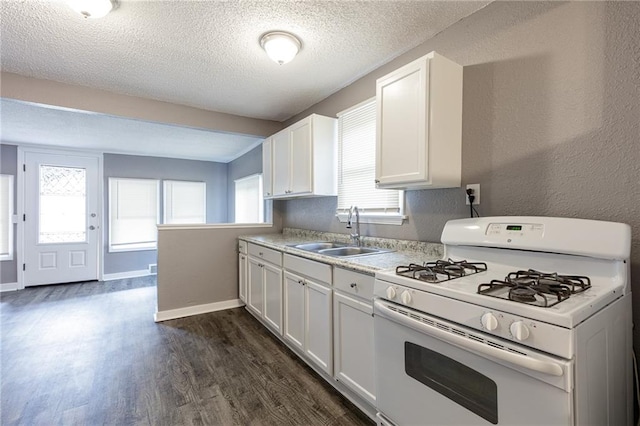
x=133 y=213
x=249 y=206
x=357 y=162
x=185 y=202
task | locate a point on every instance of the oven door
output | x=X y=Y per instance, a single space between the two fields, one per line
x=433 y=372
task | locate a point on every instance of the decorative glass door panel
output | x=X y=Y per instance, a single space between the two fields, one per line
x=63 y=205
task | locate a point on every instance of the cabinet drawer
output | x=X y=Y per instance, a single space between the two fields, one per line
x=309 y=268
x=344 y=280
x=242 y=247
x=266 y=254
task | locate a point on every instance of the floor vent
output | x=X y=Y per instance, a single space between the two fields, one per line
x=153 y=269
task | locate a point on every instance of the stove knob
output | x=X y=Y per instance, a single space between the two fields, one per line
x=519 y=331
x=406 y=297
x=391 y=293
x=489 y=321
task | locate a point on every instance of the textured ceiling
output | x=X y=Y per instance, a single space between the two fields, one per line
x=206 y=53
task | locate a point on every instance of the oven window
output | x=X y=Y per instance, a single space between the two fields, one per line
x=456 y=381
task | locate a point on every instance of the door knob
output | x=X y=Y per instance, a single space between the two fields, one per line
x=92 y=227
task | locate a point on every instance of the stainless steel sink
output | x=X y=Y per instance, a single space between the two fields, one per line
x=317 y=246
x=351 y=251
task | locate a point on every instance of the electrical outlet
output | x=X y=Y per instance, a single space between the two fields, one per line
x=475 y=187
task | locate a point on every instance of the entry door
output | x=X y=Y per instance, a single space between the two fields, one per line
x=61 y=218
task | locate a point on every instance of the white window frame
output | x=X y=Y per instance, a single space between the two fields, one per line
x=261 y=209
x=132 y=246
x=9 y=217
x=168 y=188
x=377 y=216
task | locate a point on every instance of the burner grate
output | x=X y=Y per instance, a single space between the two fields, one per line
x=441 y=270
x=536 y=288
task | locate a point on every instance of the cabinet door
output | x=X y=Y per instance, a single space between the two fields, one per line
x=353 y=345
x=294 y=289
x=267 y=168
x=255 y=290
x=242 y=276
x=402 y=120
x=273 y=297
x=301 y=157
x=281 y=162
x=318 y=325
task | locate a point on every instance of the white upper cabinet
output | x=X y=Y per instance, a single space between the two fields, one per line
x=304 y=161
x=419 y=125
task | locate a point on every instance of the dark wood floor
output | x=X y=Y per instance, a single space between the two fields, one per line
x=90 y=354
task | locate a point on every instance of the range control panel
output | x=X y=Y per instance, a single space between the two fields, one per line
x=522 y=230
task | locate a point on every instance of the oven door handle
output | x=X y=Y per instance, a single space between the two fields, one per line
x=540 y=366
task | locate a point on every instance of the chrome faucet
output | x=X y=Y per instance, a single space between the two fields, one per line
x=355 y=236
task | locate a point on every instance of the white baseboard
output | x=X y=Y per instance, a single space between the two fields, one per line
x=127 y=274
x=8 y=287
x=197 y=310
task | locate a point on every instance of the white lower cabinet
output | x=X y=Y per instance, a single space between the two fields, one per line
x=273 y=296
x=308 y=310
x=294 y=295
x=264 y=292
x=255 y=291
x=353 y=345
x=325 y=313
x=353 y=332
x=318 y=325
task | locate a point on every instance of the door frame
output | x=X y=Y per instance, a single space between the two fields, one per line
x=22 y=150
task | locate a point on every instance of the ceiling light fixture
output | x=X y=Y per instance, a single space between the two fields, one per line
x=280 y=46
x=92 y=8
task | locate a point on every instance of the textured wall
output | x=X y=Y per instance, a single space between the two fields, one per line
x=246 y=165
x=131 y=166
x=8 y=166
x=551 y=120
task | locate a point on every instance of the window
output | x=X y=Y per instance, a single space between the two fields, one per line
x=249 y=207
x=133 y=214
x=357 y=166
x=185 y=202
x=6 y=214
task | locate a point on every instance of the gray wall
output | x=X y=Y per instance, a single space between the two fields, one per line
x=131 y=166
x=200 y=266
x=8 y=166
x=246 y=165
x=551 y=120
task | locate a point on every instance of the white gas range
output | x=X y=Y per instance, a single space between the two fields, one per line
x=526 y=320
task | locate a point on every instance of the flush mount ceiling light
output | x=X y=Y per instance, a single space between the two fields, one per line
x=92 y=8
x=280 y=46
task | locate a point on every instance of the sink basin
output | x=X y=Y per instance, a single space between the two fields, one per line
x=317 y=246
x=351 y=251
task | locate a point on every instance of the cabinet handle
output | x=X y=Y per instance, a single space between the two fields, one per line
x=260 y=254
x=353 y=285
